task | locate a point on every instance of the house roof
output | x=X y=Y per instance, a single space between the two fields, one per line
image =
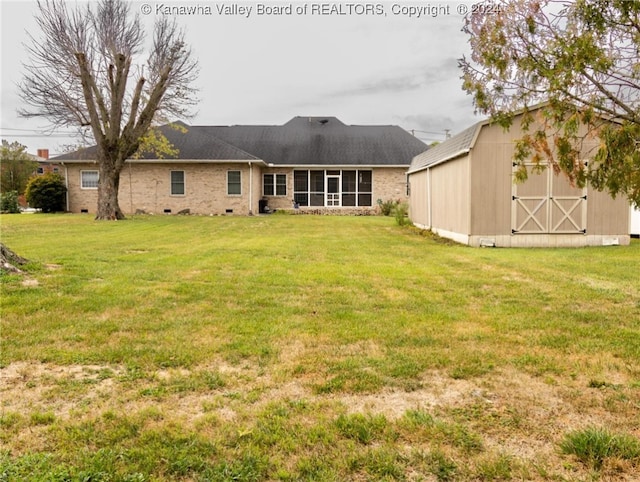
x=458 y=145
x=301 y=141
x=195 y=143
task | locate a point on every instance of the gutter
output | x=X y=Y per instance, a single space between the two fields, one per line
x=250 y=188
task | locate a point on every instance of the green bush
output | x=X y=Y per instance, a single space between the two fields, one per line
x=9 y=202
x=386 y=207
x=47 y=192
x=401 y=213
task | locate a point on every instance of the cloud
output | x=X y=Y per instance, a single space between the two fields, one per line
x=423 y=77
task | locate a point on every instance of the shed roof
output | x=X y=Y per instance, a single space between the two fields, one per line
x=301 y=141
x=458 y=145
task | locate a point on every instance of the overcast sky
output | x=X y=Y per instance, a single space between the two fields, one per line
x=381 y=69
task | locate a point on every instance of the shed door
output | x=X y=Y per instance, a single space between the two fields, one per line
x=547 y=203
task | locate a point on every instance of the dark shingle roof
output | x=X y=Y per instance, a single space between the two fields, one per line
x=196 y=143
x=451 y=148
x=301 y=141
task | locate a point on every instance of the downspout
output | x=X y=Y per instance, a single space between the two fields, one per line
x=250 y=189
x=429 y=197
x=130 y=191
x=66 y=185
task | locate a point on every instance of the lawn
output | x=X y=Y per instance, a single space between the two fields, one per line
x=312 y=348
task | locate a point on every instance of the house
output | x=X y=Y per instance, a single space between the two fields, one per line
x=44 y=163
x=315 y=164
x=464 y=189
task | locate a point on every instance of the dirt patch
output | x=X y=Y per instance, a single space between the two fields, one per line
x=439 y=391
x=517 y=414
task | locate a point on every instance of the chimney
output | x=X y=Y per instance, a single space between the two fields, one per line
x=43 y=153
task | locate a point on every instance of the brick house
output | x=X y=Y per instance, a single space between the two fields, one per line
x=317 y=164
x=44 y=163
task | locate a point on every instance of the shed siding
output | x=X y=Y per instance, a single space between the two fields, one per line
x=450 y=195
x=491 y=171
x=605 y=215
x=492 y=187
x=419 y=199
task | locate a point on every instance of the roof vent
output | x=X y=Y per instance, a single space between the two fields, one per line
x=323 y=121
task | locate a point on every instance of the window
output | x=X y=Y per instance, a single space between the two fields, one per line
x=274 y=185
x=364 y=188
x=89 y=179
x=234 y=184
x=342 y=188
x=316 y=196
x=281 y=184
x=349 y=188
x=301 y=187
x=177 y=183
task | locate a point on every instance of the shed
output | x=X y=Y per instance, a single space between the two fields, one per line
x=464 y=189
x=635 y=223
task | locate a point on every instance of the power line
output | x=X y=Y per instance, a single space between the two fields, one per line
x=445 y=133
x=42 y=132
x=59 y=136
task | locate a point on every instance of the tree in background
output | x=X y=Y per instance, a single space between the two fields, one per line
x=16 y=167
x=83 y=73
x=579 y=61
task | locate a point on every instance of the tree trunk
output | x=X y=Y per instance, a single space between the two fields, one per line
x=8 y=260
x=108 y=186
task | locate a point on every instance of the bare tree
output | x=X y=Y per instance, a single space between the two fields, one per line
x=83 y=73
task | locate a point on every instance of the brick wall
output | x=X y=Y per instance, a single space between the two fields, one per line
x=147 y=187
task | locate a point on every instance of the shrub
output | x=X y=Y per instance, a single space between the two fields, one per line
x=47 y=192
x=401 y=214
x=9 y=202
x=386 y=207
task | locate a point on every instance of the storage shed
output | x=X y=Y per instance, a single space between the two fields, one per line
x=464 y=189
x=635 y=223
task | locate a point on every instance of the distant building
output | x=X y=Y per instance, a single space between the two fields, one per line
x=44 y=163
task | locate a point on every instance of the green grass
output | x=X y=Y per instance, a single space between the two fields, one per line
x=307 y=348
x=594 y=446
